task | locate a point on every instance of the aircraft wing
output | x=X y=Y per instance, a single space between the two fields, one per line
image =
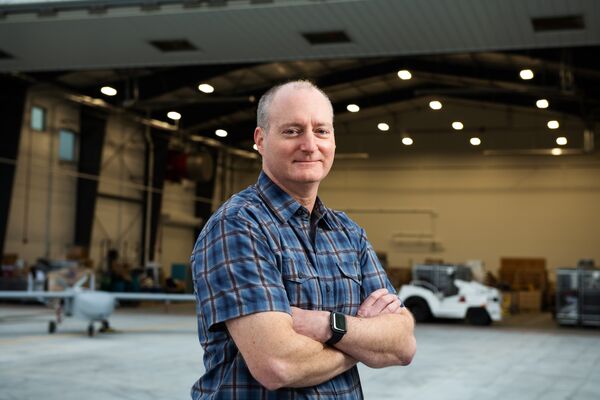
x=34 y=295
x=153 y=296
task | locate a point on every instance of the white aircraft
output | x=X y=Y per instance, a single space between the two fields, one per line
x=87 y=304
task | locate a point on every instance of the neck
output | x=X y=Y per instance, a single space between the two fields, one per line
x=307 y=202
x=305 y=194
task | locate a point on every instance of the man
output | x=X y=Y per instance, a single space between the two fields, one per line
x=290 y=293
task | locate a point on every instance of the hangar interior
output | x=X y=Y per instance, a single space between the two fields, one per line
x=466 y=133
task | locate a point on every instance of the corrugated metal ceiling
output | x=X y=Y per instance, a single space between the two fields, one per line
x=241 y=31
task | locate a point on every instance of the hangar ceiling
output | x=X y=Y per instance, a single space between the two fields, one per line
x=466 y=54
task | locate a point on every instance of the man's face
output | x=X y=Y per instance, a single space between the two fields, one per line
x=299 y=147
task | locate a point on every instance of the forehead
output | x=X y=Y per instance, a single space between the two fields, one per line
x=293 y=103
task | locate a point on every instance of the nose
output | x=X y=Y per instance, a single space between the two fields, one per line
x=308 y=143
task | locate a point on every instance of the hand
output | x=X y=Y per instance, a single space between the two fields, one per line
x=380 y=302
x=312 y=323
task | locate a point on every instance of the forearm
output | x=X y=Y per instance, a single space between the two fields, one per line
x=377 y=341
x=380 y=341
x=277 y=356
x=307 y=362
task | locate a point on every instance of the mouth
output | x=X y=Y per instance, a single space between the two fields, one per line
x=306 y=161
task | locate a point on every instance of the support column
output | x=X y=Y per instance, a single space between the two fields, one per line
x=12 y=105
x=158 y=168
x=91 y=143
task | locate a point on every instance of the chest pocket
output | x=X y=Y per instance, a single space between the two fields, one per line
x=347 y=286
x=301 y=284
x=350 y=270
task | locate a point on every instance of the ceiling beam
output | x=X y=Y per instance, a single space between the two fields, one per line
x=487 y=79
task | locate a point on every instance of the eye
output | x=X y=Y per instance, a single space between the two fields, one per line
x=323 y=131
x=291 y=131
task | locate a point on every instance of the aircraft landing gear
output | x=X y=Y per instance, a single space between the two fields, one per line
x=105 y=326
x=51 y=327
x=90 y=330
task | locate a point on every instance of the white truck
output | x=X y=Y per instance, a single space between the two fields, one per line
x=448 y=291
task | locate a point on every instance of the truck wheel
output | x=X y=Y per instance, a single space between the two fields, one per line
x=478 y=316
x=419 y=309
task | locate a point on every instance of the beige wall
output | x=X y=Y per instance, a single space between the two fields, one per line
x=42 y=209
x=118 y=224
x=176 y=235
x=486 y=208
x=42 y=213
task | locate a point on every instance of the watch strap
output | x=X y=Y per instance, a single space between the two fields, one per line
x=336 y=335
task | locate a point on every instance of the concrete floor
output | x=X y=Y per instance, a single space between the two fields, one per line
x=156 y=355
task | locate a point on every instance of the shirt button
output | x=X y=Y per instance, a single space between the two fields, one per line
x=328 y=288
x=300 y=275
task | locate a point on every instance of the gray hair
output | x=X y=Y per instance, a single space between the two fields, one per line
x=262 y=113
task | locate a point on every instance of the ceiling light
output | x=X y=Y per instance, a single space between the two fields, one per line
x=556 y=151
x=561 y=141
x=553 y=124
x=108 y=91
x=475 y=141
x=457 y=125
x=526 y=74
x=404 y=74
x=382 y=126
x=205 y=88
x=255 y=147
x=542 y=103
x=407 y=141
x=435 y=105
x=221 y=132
x=353 y=108
x=174 y=115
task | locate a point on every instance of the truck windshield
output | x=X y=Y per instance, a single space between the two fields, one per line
x=463 y=273
x=442 y=276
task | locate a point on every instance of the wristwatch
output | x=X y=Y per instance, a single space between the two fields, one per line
x=337 y=323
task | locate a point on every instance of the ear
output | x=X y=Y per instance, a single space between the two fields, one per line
x=259 y=137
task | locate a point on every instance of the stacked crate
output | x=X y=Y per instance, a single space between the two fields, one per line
x=528 y=281
x=399 y=276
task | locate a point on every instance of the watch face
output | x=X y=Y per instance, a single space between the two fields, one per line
x=339 y=322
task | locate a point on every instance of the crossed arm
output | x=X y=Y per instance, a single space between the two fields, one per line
x=277 y=356
x=380 y=336
x=288 y=351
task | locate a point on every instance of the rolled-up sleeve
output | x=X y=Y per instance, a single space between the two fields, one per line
x=373 y=274
x=236 y=272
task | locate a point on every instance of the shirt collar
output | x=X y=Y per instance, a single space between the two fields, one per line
x=323 y=214
x=285 y=206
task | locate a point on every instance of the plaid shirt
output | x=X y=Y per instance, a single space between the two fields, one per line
x=262 y=251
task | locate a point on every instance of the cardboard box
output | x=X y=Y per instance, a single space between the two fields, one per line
x=9 y=258
x=530 y=300
x=75 y=253
x=399 y=276
x=64 y=278
x=524 y=273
